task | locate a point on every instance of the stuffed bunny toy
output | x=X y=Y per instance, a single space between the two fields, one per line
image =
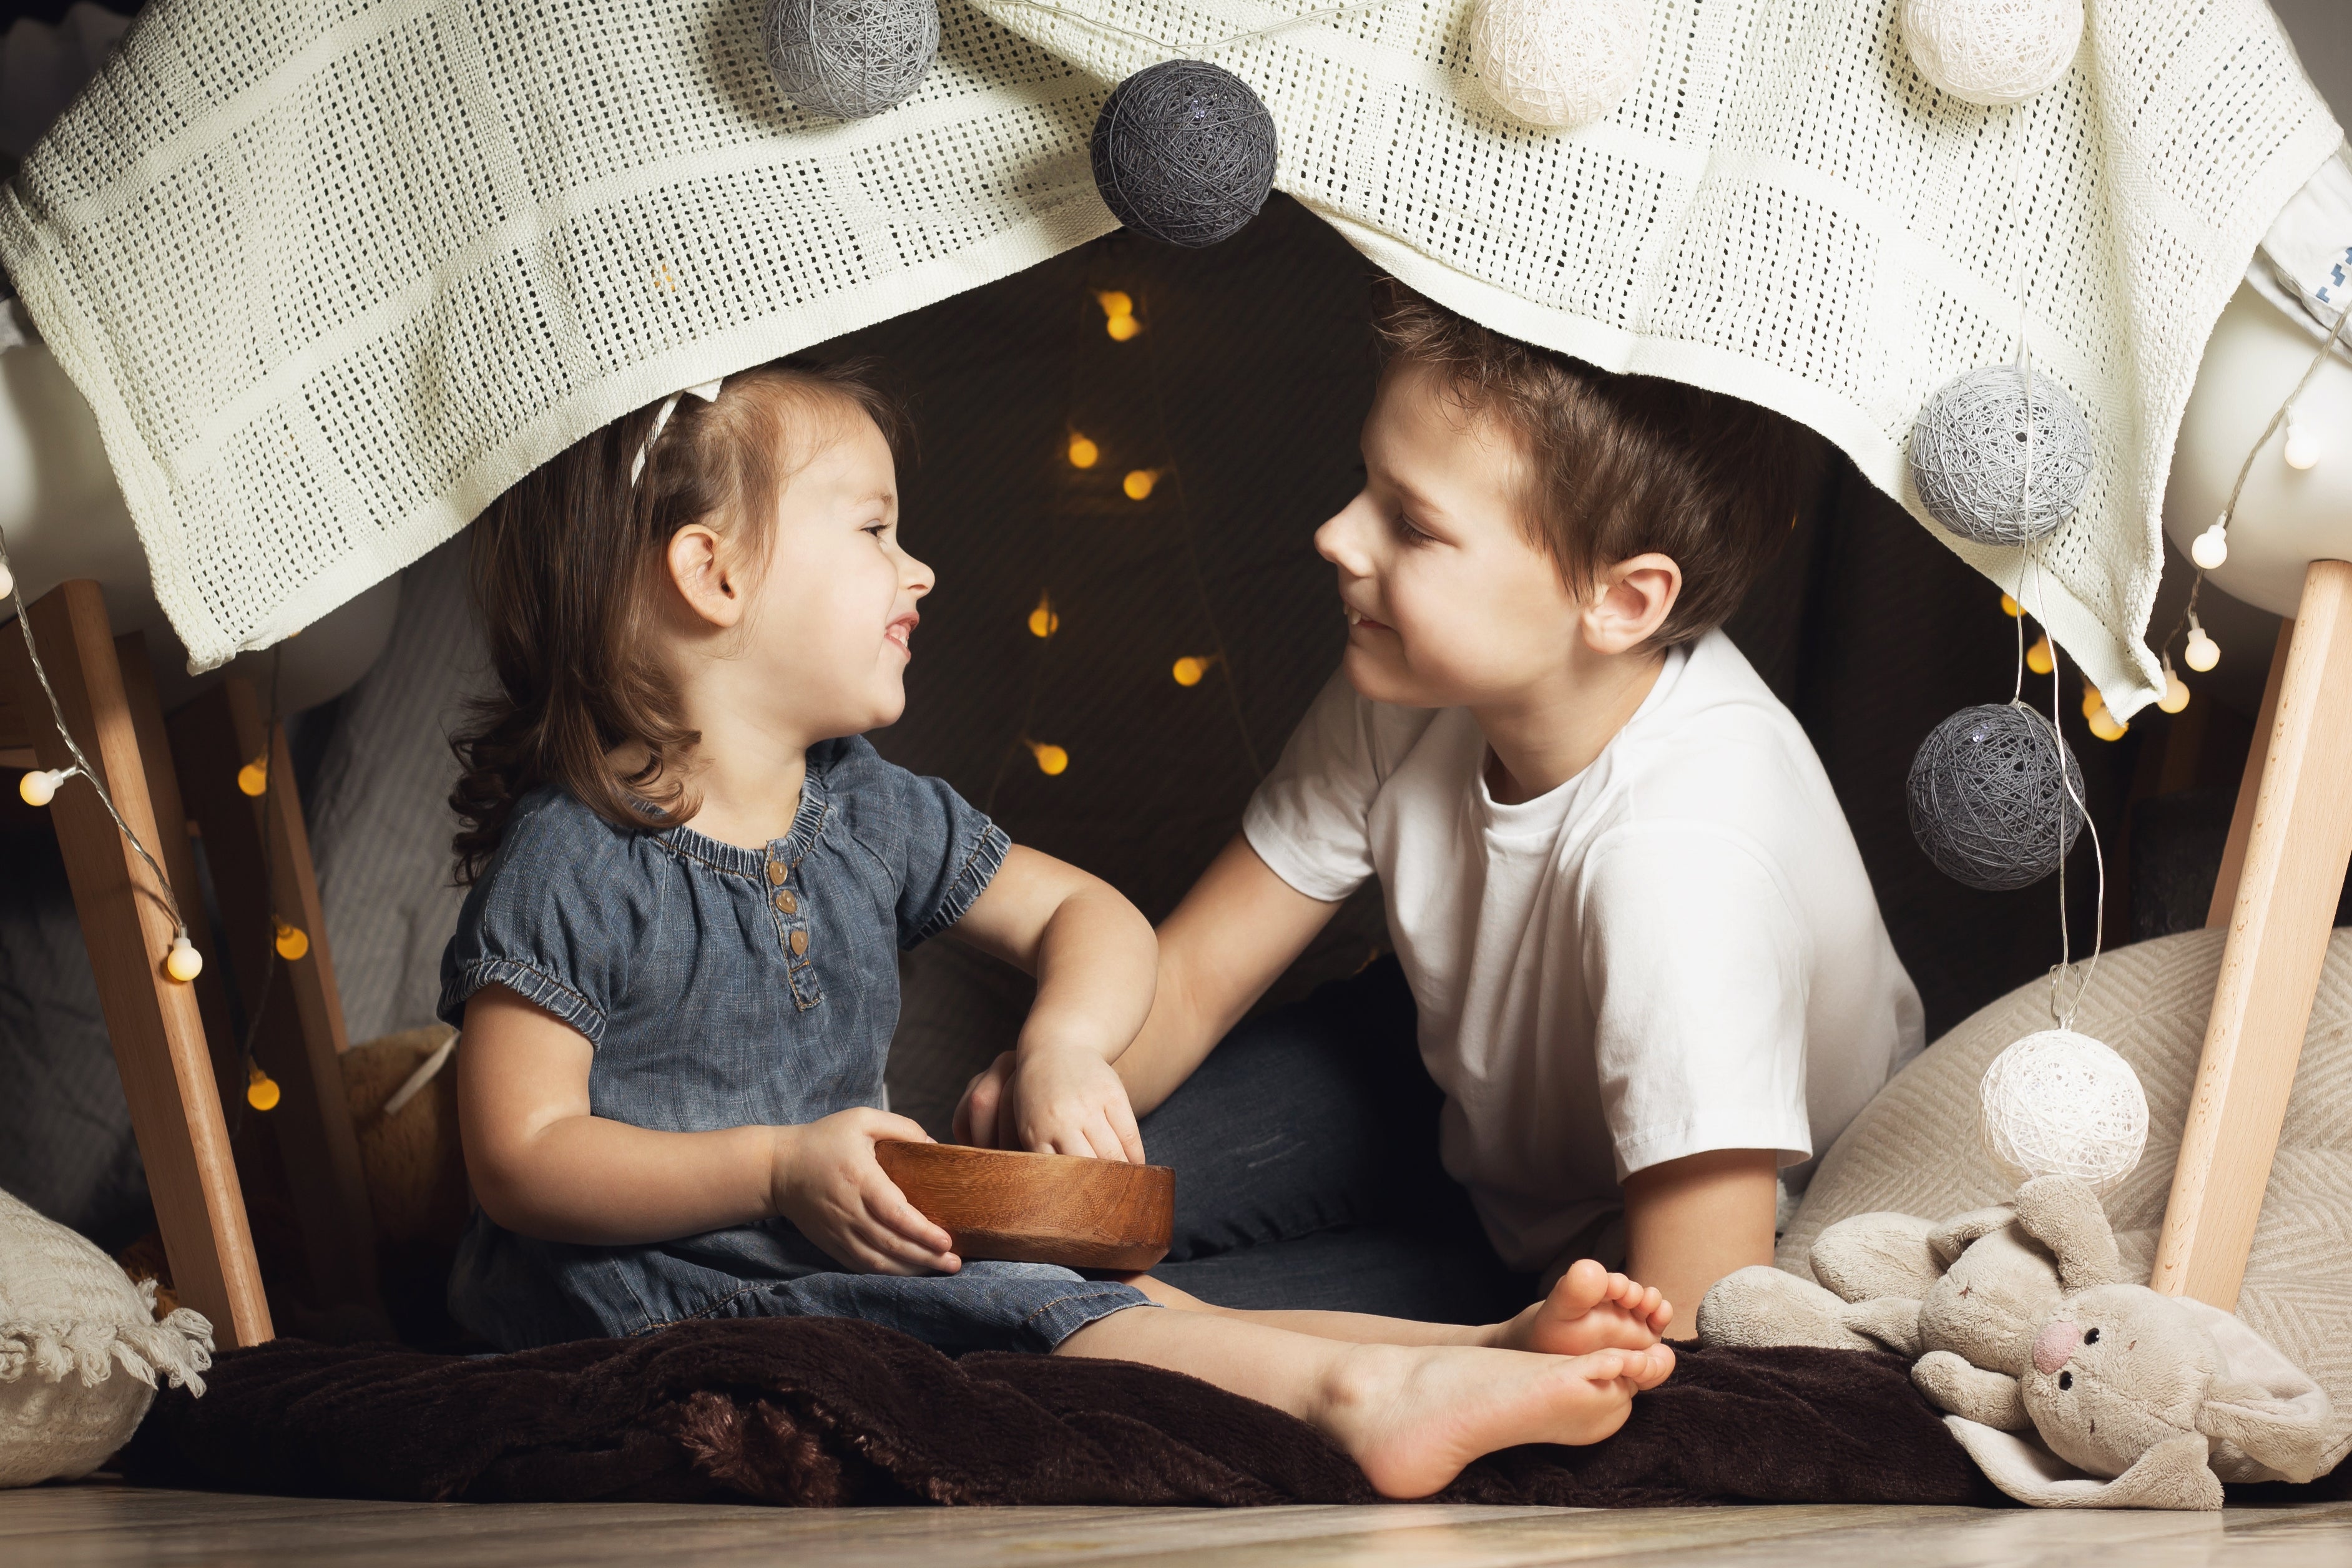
x=2021 y=1322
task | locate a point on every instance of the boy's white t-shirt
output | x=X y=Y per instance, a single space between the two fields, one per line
x=1675 y=950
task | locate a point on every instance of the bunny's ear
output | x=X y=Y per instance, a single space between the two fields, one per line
x=2293 y=1439
x=2063 y=1214
x=2172 y=1475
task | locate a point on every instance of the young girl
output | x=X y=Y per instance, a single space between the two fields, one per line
x=676 y=974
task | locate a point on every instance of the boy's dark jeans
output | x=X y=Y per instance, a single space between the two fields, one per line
x=1306 y=1169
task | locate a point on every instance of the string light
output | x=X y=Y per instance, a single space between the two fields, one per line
x=1052 y=761
x=40 y=788
x=2038 y=659
x=292 y=942
x=7 y=583
x=253 y=779
x=183 y=962
x=1044 y=620
x=2092 y=700
x=1190 y=670
x=2008 y=606
x=2302 y=449
x=2210 y=549
x=1118 y=315
x=1122 y=328
x=1138 y=483
x=2106 y=726
x=1084 y=453
x=2175 y=690
x=2202 y=653
x=261 y=1090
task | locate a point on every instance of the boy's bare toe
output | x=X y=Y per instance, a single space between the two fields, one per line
x=1414 y=1416
x=1589 y=1310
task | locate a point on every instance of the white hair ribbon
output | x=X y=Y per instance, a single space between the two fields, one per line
x=708 y=391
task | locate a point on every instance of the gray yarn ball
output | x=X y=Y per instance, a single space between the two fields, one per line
x=1987 y=801
x=1183 y=152
x=850 y=59
x=1969 y=457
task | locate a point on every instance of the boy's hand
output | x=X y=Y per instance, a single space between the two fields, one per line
x=824 y=1179
x=1049 y=1101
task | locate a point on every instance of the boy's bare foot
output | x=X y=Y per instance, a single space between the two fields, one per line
x=1412 y=1416
x=1589 y=1309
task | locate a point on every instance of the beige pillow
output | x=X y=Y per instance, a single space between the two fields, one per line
x=1915 y=1148
x=69 y=1318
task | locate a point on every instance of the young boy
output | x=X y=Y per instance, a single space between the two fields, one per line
x=1648 y=965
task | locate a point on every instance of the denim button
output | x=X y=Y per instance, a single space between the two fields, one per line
x=776 y=872
x=799 y=942
x=785 y=901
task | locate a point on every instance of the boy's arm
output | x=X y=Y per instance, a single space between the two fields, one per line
x=1691 y=1221
x=1094 y=957
x=541 y=1163
x=1235 y=933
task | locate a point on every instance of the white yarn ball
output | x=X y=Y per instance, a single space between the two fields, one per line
x=1558 y=63
x=2058 y=1103
x=1992 y=51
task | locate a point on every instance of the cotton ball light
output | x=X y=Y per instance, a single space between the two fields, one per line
x=850 y=59
x=1183 y=152
x=2201 y=653
x=1992 y=51
x=1558 y=63
x=1972 y=453
x=2058 y=1103
x=2210 y=549
x=1988 y=800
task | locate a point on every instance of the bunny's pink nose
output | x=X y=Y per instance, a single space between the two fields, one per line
x=2057 y=1344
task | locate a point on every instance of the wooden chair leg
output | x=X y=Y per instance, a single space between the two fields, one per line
x=2297 y=846
x=2224 y=907
x=301 y=1035
x=153 y=1021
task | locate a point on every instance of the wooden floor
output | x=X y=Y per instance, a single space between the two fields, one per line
x=102 y=1525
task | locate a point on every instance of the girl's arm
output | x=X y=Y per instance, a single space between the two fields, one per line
x=1234 y=933
x=1093 y=955
x=1689 y=1222
x=542 y=1164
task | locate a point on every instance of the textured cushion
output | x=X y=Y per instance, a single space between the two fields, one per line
x=1915 y=1149
x=68 y=1317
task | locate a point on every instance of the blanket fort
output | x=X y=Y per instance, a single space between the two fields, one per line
x=333 y=278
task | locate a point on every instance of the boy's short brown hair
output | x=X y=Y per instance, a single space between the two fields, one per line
x=1622 y=465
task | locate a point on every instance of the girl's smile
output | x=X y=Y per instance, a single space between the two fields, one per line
x=901 y=632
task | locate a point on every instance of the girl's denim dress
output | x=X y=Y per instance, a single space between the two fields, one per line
x=724 y=987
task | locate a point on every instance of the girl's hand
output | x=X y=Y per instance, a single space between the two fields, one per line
x=978 y=1113
x=824 y=1179
x=1066 y=1102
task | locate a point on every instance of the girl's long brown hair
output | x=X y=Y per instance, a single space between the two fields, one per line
x=566 y=566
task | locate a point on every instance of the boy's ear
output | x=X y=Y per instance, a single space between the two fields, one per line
x=1631 y=601
x=698 y=566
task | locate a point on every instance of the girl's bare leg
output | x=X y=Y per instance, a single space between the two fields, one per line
x=1412 y=1415
x=1589 y=1310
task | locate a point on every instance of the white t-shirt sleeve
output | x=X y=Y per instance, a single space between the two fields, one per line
x=1309 y=819
x=1694 y=959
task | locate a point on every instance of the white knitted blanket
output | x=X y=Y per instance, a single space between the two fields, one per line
x=334 y=276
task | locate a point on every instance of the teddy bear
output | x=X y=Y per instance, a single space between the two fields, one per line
x=2070 y=1385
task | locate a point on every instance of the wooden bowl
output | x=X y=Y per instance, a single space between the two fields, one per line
x=1038 y=1208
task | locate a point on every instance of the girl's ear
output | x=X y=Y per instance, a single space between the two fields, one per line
x=1631 y=601
x=698 y=566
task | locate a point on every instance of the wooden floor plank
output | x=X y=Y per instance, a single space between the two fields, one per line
x=104 y=1525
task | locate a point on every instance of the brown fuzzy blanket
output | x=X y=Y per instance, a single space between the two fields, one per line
x=815 y=1413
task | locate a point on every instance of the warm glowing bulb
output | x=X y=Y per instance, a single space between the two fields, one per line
x=2176 y=693
x=254 y=777
x=183 y=962
x=1044 y=621
x=40 y=788
x=1083 y=453
x=293 y=942
x=2203 y=652
x=7 y=583
x=1189 y=671
x=2092 y=701
x=1115 y=303
x=1050 y=759
x=2038 y=657
x=1122 y=328
x=2106 y=726
x=261 y=1091
x=2302 y=449
x=2010 y=607
x=1138 y=483
x=2210 y=549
